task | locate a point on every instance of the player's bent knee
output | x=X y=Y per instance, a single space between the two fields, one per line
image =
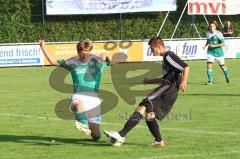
x=76 y=106
x=141 y=110
x=151 y=115
x=73 y=109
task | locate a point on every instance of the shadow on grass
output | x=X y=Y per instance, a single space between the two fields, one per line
x=50 y=141
x=53 y=141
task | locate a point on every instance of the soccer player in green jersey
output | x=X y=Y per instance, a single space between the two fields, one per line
x=86 y=70
x=215 y=42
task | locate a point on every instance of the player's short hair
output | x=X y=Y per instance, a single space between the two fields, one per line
x=156 y=40
x=213 y=22
x=84 y=45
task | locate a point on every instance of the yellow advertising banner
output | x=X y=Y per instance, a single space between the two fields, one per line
x=123 y=51
x=60 y=51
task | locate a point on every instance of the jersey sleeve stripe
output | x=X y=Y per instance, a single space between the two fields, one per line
x=173 y=63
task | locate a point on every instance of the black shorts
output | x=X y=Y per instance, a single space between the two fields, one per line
x=161 y=100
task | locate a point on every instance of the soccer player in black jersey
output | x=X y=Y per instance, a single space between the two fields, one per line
x=159 y=102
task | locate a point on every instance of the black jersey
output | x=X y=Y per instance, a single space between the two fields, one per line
x=172 y=68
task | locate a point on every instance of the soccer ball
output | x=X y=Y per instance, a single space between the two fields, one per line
x=114 y=142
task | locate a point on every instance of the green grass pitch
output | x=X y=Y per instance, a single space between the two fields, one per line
x=204 y=123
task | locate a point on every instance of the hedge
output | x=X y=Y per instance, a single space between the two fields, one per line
x=22 y=21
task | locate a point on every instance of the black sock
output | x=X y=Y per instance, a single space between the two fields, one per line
x=154 y=129
x=131 y=123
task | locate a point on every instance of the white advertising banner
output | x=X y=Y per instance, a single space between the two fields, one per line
x=21 y=55
x=193 y=49
x=231 y=48
x=66 y=7
x=148 y=55
x=214 y=7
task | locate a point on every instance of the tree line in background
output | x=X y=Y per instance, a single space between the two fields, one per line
x=24 y=21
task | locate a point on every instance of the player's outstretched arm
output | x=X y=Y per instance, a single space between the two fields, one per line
x=106 y=57
x=51 y=59
x=216 y=45
x=205 y=45
x=183 y=84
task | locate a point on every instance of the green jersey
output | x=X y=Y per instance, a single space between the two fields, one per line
x=215 y=38
x=86 y=76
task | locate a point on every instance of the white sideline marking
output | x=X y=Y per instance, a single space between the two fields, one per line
x=186 y=130
x=139 y=126
x=157 y=157
x=193 y=155
x=29 y=116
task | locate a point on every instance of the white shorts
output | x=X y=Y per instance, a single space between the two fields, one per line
x=91 y=105
x=211 y=58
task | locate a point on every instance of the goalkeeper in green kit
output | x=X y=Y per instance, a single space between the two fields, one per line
x=215 y=42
